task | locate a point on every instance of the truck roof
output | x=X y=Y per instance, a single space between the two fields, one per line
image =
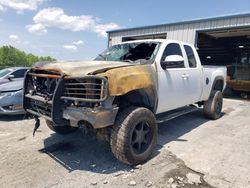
x=156 y=40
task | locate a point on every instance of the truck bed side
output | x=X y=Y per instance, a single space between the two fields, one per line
x=211 y=74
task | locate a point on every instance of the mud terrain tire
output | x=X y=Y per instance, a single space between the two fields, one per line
x=134 y=135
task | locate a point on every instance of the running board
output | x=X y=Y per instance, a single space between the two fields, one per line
x=166 y=116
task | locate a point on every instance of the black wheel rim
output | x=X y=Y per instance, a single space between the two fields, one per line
x=141 y=137
x=218 y=105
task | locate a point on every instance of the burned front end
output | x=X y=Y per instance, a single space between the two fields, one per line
x=66 y=100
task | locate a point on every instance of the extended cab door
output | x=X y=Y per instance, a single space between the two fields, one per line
x=175 y=86
x=194 y=74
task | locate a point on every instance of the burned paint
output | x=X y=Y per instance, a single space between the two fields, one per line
x=125 y=79
x=122 y=77
x=56 y=71
x=44 y=75
x=82 y=68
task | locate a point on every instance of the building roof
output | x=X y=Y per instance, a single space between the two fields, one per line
x=185 y=22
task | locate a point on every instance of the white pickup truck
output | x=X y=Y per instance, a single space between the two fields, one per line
x=124 y=92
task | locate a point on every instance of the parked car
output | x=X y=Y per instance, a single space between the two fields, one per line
x=123 y=92
x=11 y=98
x=11 y=74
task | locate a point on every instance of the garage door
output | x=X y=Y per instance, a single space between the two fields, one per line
x=231 y=48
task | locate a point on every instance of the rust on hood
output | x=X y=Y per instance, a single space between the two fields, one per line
x=125 y=79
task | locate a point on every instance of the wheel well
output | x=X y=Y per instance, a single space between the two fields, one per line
x=218 y=85
x=140 y=97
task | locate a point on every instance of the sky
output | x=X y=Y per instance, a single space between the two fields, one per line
x=76 y=29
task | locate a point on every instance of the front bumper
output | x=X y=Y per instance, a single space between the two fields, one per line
x=12 y=105
x=3 y=111
x=98 y=118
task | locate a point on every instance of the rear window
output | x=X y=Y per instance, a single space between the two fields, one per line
x=190 y=55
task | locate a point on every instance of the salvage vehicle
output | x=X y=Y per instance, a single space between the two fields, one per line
x=13 y=73
x=124 y=92
x=11 y=98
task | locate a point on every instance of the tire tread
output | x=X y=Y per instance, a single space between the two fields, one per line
x=120 y=133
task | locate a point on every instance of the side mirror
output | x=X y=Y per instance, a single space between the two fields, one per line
x=10 y=77
x=173 y=61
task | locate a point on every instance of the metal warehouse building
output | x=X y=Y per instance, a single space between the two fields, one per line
x=221 y=40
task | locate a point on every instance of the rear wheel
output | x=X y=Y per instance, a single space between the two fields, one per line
x=134 y=135
x=213 y=106
x=61 y=129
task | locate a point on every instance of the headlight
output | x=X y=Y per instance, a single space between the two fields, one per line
x=8 y=94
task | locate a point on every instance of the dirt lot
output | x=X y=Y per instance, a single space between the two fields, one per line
x=191 y=152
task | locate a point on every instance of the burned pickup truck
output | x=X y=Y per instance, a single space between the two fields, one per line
x=123 y=92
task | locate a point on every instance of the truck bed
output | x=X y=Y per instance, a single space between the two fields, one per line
x=210 y=73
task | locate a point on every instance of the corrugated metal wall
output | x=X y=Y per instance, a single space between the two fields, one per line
x=184 y=31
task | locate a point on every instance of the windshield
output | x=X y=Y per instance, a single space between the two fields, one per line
x=130 y=52
x=4 y=72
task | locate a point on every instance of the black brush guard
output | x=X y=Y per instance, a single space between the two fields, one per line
x=48 y=108
x=51 y=107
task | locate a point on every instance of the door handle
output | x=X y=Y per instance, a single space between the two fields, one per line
x=185 y=76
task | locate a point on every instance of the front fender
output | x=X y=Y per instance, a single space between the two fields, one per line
x=126 y=79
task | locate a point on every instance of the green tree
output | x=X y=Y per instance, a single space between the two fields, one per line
x=11 y=56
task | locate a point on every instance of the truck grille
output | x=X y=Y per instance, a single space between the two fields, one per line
x=47 y=93
x=90 y=88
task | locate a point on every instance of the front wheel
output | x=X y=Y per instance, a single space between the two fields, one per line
x=66 y=129
x=134 y=135
x=213 y=106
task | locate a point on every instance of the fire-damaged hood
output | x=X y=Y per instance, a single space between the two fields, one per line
x=80 y=68
x=123 y=77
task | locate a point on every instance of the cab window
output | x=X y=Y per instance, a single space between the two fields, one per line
x=190 y=55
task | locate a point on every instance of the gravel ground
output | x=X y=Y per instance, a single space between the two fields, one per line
x=191 y=152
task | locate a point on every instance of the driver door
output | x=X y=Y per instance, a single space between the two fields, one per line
x=173 y=82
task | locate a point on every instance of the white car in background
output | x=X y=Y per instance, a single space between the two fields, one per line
x=12 y=74
x=11 y=90
x=11 y=98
